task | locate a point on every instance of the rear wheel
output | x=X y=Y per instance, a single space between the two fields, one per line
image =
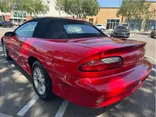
x=5 y=51
x=42 y=82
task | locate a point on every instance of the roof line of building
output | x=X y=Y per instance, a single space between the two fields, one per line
x=110 y=7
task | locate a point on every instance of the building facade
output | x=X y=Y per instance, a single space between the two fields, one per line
x=107 y=16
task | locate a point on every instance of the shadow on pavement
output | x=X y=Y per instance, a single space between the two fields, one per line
x=16 y=91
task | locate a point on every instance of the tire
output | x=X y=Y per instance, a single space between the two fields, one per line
x=42 y=86
x=112 y=35
x=5 y=51
x=127 y=36
x=151 y=35
x=102 y=29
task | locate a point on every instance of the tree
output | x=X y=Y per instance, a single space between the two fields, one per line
x=29 y=6
x=134 y=9
x=78 y=8
x=32 y=6
x=6 y=5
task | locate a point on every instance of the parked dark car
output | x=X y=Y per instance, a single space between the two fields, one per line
x=121 y=31
x=6 y=24
x=153 y=34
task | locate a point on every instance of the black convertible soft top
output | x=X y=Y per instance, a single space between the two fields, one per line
x=43 y=25
x=48 y=19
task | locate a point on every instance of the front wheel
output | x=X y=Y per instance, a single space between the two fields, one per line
x=41 y=82
x=151 y=35
x=5 y=51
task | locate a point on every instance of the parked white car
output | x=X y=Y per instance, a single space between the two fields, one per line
x=17 y=23
x=101 y=27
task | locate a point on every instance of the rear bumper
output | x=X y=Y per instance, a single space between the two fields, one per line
x=102 y=91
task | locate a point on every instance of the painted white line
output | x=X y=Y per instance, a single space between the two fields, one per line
x=153 y=69
x=151 y=58
x=2 y=60
x=62 y=109
x=152 y=76
x=5 y=115
x=27 y=106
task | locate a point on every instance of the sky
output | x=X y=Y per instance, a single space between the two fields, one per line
x=112 y=3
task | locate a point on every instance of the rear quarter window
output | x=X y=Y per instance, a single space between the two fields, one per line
x=80 y=29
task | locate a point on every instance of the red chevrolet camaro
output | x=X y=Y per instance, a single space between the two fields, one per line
x=76 y=61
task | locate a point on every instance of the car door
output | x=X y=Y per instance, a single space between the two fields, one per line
x=23 y=33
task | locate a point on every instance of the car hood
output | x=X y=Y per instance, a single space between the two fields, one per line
x=105 y=43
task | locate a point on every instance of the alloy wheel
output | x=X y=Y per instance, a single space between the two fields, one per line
x=39 y=80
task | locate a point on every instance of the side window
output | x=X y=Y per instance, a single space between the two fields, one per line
x=26 y=30
x=54 y=32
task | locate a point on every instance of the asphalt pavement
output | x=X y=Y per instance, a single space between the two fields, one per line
x=17 y=97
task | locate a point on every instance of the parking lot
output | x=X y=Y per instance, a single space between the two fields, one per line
x=17 y=97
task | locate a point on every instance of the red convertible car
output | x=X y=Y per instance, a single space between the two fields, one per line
x=76 y=61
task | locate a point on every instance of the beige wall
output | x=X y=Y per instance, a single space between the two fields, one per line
x=104 y=14
x=110 y=13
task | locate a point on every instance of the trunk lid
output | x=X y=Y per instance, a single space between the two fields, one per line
x=131 y=51
x=105 y=43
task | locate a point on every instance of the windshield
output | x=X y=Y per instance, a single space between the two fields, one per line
x=121 y=27
x=98 y=25
x=82 y=31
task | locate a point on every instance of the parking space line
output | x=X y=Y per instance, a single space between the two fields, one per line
x=27 y=106
x=151 y=58
x=5 y=115
x=2 y=60
x=62 y=109
x=153 y=69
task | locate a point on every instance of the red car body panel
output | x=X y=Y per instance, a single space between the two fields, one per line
x=62 y=59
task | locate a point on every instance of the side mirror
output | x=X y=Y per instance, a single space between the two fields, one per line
x=10 y=34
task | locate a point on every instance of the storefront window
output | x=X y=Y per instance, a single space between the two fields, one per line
x=112 y=23
x=19 y=14
x=150 y=25
x=135 y=25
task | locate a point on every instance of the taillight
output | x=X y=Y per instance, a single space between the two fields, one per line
x=101 y=64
